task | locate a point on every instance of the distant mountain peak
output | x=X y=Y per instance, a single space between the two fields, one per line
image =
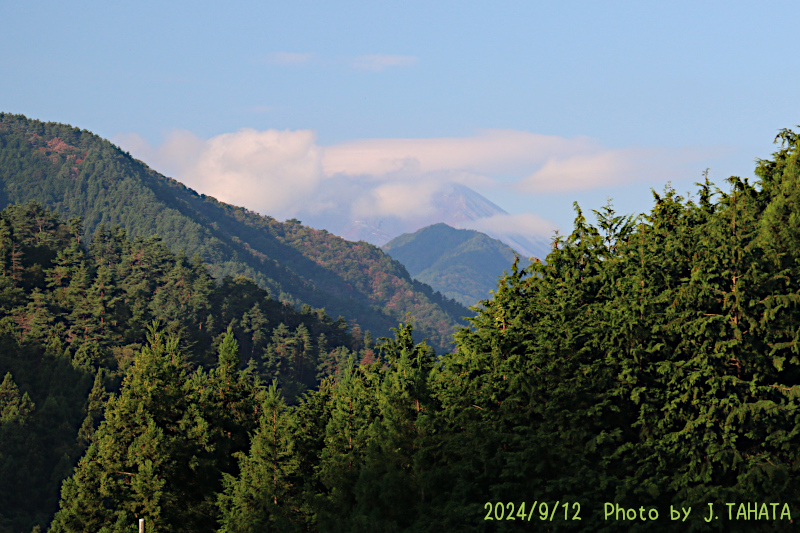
x=462 y=204
x=454 y=204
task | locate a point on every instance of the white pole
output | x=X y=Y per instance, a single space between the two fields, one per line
x=141 y=525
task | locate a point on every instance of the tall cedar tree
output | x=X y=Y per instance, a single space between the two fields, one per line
x=162 y=449
x=260 y=498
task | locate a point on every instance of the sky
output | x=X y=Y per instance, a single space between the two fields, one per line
x=297 y=108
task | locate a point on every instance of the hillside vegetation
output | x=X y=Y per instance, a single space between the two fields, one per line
x=462 y=264
x=650 y=365
x=72 y=321
x=77 y=173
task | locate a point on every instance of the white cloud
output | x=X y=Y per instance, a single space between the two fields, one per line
x=180 y=152
x=581 y=172
x=611 y=168
x=275 y=169
x=525 y=224
x=399 y=199
x=535 y=163
x=378 y=62
x=286 y=173
x=135 y=144
x=490 y=152
x=272 y=172
x=289 y=58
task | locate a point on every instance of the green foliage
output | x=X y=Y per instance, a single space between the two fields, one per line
x=229 y=360
x=461 y=264
x=647 y=363
x=261 y=498
x=72 y=321
x=14 y=408
x=163 y=447
x=651 y=361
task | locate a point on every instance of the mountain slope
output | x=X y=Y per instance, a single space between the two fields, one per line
x=462 y=264
x=77 y=173
x=453 y=204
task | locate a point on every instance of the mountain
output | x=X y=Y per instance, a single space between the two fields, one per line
x=76 y=173
x=463 y=206
x=461 y=264
x=454 y=204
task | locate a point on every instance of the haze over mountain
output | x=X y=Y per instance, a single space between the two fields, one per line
x=370 y=190
x=454 y=204
x=461 y=264
x=77 y=173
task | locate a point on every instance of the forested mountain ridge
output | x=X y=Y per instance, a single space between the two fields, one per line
x=461 y=264
x=649 y=366
x=77 y=173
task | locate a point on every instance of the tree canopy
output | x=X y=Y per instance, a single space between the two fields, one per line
x=652 y=362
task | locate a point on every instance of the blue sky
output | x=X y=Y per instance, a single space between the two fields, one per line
x=533 y=104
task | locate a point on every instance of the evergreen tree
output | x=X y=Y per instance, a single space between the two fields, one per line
x=352 y=410
x=229 y=400
x=155 y=454
x=388 y=490
x=95 y=407
x=261 y=499
x=14 y=408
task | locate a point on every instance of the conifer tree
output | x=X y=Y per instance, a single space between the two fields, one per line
x=352 y=410
x=95 y=407
x=156 y=455
x=229 y=399
x=15 y=408
x=261 y=498
x=388 y=490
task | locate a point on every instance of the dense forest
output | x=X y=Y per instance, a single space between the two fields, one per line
x=76 y=173
x=73 y=319
x=651 y=364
